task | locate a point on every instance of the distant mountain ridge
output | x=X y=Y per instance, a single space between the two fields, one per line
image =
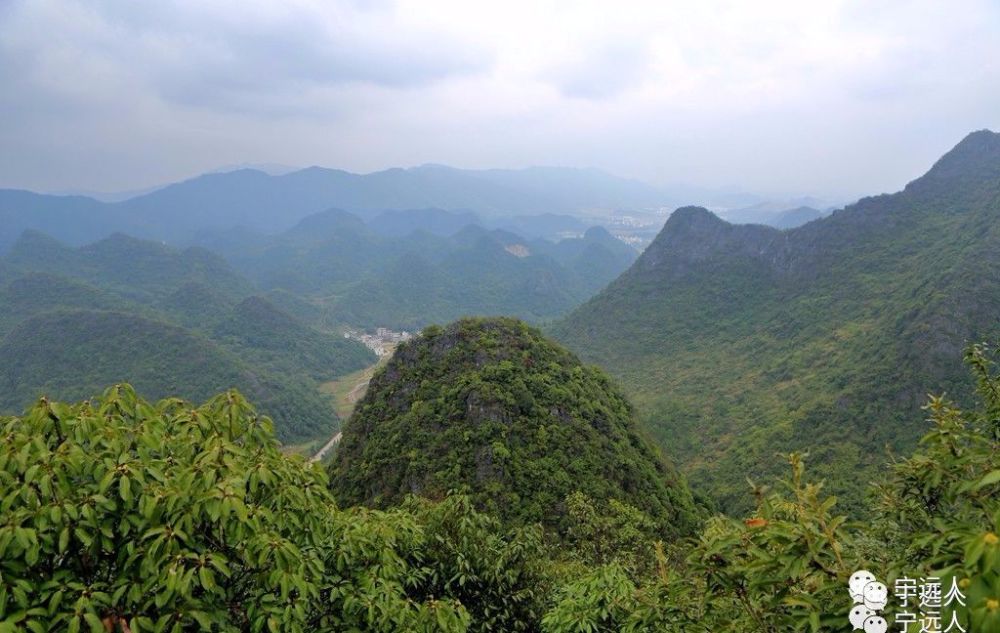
x=786 y=214
x=738 y=341
x=273 y=203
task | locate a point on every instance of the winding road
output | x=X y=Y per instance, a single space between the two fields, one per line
x=321 y=453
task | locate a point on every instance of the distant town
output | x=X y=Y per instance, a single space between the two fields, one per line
x=382 y=342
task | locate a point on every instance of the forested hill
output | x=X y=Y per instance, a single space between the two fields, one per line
x=76 y=354
x=490 y=407
x=176 y=323
x=740 y=341
x=141 y=269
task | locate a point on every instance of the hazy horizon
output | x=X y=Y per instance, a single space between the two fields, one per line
x=684 y=193
x=837 y=100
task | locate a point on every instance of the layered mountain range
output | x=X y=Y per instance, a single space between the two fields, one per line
x=740 y=342
x=265 y=313
x=367 y=275
x=249 y=198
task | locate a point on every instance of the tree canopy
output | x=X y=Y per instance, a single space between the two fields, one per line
x=122 y=515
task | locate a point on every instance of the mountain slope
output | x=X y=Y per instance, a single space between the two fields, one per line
x=791 y=218
x=491 y=406
x=400 y=223
x=262 y=332
x=483 y=272
x=738 y=342
x=76 y=354
x=322 y=253
x=37 y=293
x=787 y=215
x=76 y=219
x=140 y=269
x=195 y=305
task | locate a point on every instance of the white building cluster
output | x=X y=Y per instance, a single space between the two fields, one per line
x=382 y=342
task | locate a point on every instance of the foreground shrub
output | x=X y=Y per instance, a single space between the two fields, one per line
x=787 y=566
x=122 y=515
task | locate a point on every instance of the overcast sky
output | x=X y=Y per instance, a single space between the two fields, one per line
x=828 y=98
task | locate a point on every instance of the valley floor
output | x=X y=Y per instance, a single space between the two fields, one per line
x=347 y=391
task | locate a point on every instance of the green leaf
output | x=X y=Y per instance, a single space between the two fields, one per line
x=96 y=626
x=124 y=488
x=989 y=478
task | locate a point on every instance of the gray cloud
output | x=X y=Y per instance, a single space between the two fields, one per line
x=603 y=70
x=196 y=54
x=839 y=97
x=303 y=54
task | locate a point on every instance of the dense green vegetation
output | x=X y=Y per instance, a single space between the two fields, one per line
x=137 y=269
x=120 y=515
x=739 y=341
x=488 y=480
x=171 y=322
x=35 y=293
x=786 y=567
x=173 y=518
x=74 y=354
x=491 y=408
x=270 y=337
